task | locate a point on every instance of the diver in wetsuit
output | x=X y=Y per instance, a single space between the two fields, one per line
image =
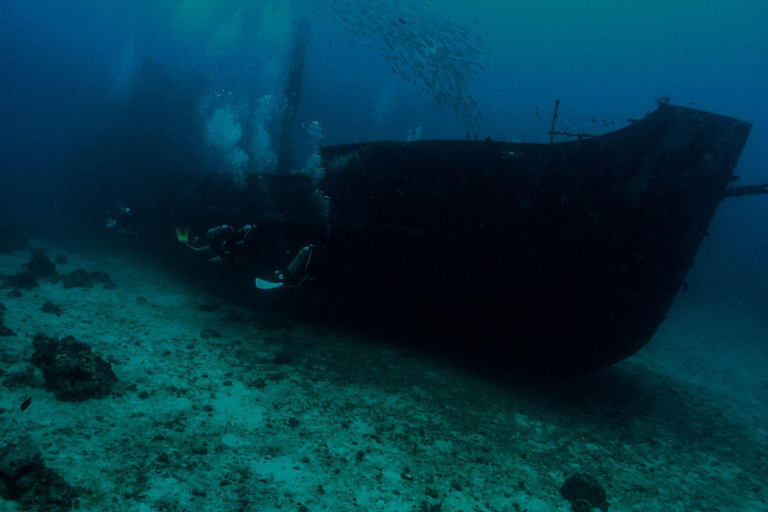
x=227 y=243
x=122 y=220
x=238 y=247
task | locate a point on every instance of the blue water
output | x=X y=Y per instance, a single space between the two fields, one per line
x=371 y=70
x=607 y=60
x=64 y=63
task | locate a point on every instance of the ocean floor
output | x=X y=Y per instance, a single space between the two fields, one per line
x=223 y=411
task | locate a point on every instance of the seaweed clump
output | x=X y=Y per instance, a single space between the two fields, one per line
x=25 y=478
x=50 y=307
x=25 y=280
x=41 y=266
x=71 y=370
x=584 y=492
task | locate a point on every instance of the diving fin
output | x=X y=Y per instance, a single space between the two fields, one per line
x=261 y=284
x=271 y=285
x=204 y=248
x=182 y=234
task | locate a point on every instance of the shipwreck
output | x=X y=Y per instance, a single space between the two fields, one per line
x=551 y=257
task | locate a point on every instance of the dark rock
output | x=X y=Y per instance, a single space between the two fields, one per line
x=581 y=487
x=14 y=294
x=2 y=307
x=259 y=383
x=582 y=506
x=99 y=276
x=209 y=333
x=41 y=266
x=199 y=447
x=81 y=278
x=20 y=378
x=76 y=279
x=71 y=370
x=283 y=357
x=110 y=285
x=277 y=376
x=24 y=280
x=61 y=259
x=141 y=300
x=5 y=331
x=430 y=507
x=25 y=478
x=50 y=307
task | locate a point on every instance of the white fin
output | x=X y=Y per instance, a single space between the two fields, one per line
x=267 y=285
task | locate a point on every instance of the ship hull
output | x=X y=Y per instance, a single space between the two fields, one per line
x=552 y=258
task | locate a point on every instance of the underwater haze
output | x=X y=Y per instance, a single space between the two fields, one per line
x=185 y=323
x=66 y=65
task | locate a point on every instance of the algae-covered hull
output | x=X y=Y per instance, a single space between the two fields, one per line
x=560 y=257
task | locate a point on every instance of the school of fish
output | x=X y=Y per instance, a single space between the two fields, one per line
x=422 y=45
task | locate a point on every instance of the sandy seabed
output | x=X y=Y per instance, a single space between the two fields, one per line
x=298 y=417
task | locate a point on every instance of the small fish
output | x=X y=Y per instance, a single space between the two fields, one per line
x=401 y=20
x=26 y=403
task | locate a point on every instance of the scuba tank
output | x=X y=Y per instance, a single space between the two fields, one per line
x=213 y=232
x=299 y=265
x=301 y=259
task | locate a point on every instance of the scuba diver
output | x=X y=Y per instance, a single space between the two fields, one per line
x=240 y=248
x=227 y=243
x=122 y=220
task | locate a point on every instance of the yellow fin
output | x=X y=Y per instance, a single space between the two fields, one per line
x=182 y=234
